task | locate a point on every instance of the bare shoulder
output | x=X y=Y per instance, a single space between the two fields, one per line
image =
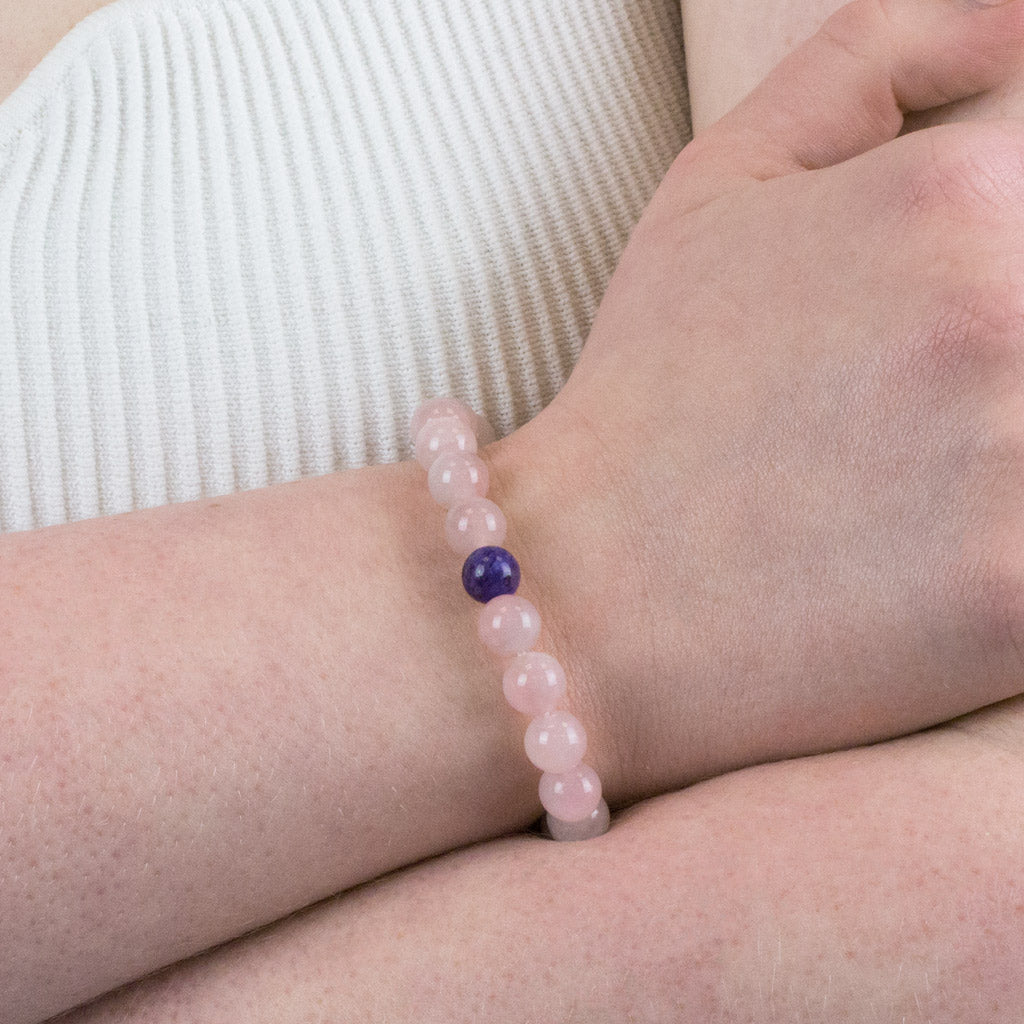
x=30 y=29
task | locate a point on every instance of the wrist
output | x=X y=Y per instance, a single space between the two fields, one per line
x=603 y=564
x=554 y=531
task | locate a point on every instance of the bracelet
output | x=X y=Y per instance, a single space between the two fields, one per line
x=446 y=433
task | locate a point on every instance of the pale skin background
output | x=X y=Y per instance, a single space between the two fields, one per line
x=878 y=884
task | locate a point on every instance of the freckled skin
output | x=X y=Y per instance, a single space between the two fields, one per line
x=209 y=718
x=850 y=887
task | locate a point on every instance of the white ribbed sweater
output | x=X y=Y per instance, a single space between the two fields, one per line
x=241 y=239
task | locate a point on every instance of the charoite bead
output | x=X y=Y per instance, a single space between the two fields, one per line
x=508 y=624
x=572 y=795
x=456 y=477
x=555 y=741
x=534 y=683
x=440 y=436
x=596 y=824
x=474 y=524
x=489 y=572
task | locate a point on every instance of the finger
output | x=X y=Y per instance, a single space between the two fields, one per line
x=847 y=89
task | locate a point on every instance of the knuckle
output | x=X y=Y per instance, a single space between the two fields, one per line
x=975 y=329
x=854 y=28
x=966 y=170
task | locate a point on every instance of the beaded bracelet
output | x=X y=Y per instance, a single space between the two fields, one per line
x=446 y=434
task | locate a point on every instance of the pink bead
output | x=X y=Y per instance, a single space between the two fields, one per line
x=509 y=624
x=473 y=524
x=555 y=741
x=436 y=408
x=456 y=477
x=572 y=795
x=573 y=831
x=438 y=436
x=534 y=683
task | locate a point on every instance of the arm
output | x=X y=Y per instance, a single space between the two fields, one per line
x=874 y=885
x=214 y=713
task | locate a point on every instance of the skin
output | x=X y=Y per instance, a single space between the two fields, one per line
x=874 y=885
x=824 y=324
x=732 y=46
x=761 y=679
x=209 y=715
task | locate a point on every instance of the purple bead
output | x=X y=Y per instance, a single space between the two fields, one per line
x=490 y=572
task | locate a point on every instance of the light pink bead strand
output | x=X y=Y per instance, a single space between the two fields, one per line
x=555 y=741
x=456 y=477
x=446 y=434
x=473 y=524
x=439 y=436
x=508 y=624
x=596 y=824
x=533 y=683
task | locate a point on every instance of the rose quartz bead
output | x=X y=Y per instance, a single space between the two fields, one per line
x=436 y=408
x=477 y=523
x=438 y=436
x=589 y=828
x=534 y=683
x=508 y=624
x=555 y=741
x=572 y=795
x=456 y=477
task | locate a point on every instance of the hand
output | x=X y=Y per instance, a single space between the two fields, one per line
x=789 y=468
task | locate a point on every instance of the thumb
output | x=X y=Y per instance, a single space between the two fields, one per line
x=847 y=88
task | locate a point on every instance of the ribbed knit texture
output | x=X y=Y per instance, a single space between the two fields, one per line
x=241 y=239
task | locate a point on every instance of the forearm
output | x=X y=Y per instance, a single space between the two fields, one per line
x=874 y=885
x=215 y=713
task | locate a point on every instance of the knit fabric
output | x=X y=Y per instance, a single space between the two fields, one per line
x=240 y=240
